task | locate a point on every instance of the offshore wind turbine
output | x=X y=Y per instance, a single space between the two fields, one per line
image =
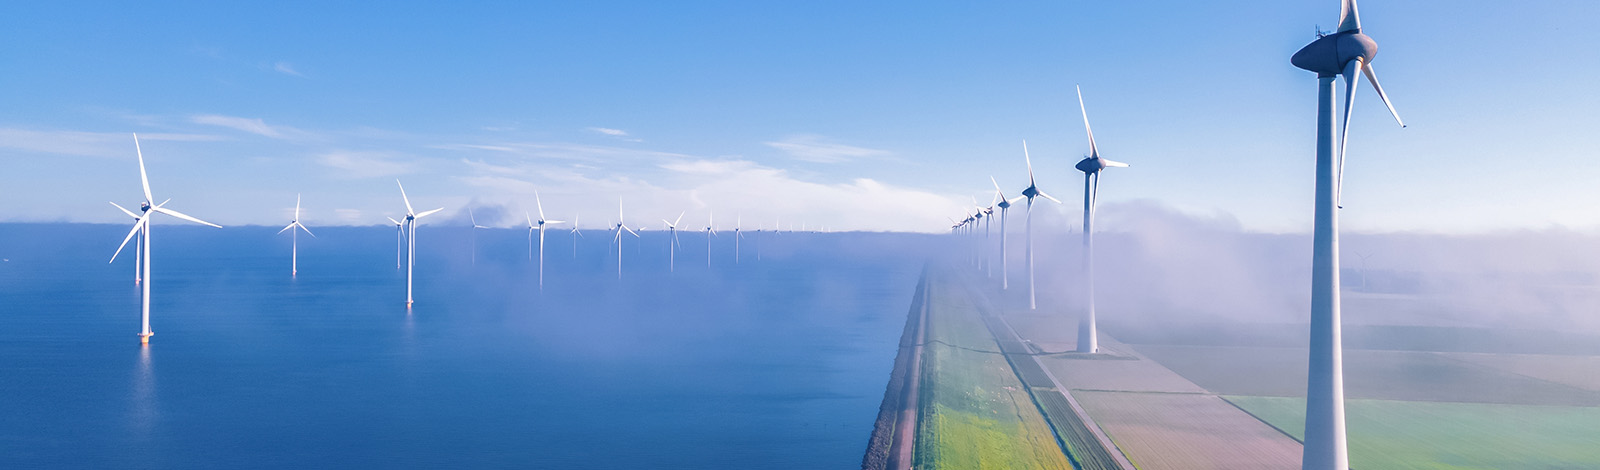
x=711 y=231
x=1088 y=341
x=411 y=241
x=575 y=235
x=542 y=222
x=138 y=253
x=475 y=228
x=672 y=247
x=738 y=220
x=620 y=227
x=399 y=241
x=294 y=236
x=1345 y=53
x=1005 y=272
x=1032 y=191
x=142 y=226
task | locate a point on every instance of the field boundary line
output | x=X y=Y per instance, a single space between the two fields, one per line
x=1258 y=418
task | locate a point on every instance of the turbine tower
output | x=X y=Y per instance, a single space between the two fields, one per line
x=672 y=247
x=542 y=222
x=1346 y=53
x=1032 y=191
x=1088 y=341
x=141 y=225
x=294 y=236
x=411 y=241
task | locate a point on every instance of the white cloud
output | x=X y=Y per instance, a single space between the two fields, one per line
x=348 y=215
x=618 y=133
x=92 y=144
x=814 y=148
x=253 y=126
x=286 y=69
x=366 y=164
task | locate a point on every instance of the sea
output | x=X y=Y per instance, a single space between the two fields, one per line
x=778 y=359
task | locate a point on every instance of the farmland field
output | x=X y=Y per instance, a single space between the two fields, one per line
x=1423 y=435
x=1183 y=431
x=1577 y=371
x=975 y=414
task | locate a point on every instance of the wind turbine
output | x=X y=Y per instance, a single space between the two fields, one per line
x=294 y=236
x=1346 y=53
x=475 y=228
x=672 y=248
x=1088 y=341
x=575 y=235
x=542 y=222
x=711 y=231
x=411 y=245
x=138 y=256
x=620 y=227
x=738 y=220
x=399 y=240
x=1004 y=204
x=988 y=219
x=141 y=225
x=1032 y=191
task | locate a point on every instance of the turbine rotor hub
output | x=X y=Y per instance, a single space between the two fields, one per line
x=1328 y=55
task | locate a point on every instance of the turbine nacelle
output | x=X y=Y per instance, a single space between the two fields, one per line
x=1092 y=165
x=1328 y=55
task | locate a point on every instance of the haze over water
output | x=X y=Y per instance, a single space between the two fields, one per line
x=777 y=363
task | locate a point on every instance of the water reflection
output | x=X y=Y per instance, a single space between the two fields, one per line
x=144 y=413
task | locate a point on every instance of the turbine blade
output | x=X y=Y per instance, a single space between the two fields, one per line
x=680 y=218
x=125 y=211
x=144 y=179
x=538 y=202
x=425 y=214
x=1350 y=85
x=1114 y=163
x=297 y=207
x=1093 y=151
x=403 y=197
x=1047 y=196
x=530 y=219
x=635 y=234
x=287 y=227
x=137 y=224
x=1028 y=159
x=391 y=219
x=473 y=218
x=554 y=221
x=303 y=227
x=1349 y=20
x=183 y=216
x=1372 y=77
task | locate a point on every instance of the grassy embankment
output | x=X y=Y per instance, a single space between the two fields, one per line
x=1434 y=435
x=976 y=414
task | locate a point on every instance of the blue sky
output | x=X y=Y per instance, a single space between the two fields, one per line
x=854 y=115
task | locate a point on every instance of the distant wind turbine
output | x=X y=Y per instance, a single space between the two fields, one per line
x=711 y=231
x=1031 y=192
x=575 y=235
x=738 y=233
x=1088 y=340
x=1346 y=53
x=542 y=222
x=399 y=241
x=138 y=256
x=142 y=225
x=1005 y=272
x=411 y=246
x=672 y=247
x=620 y=227
x=294 y=237
x=475 y=228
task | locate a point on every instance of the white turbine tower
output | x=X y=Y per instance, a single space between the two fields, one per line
x=711 y=231
x=294 y=237
x=142 y=225
x=411 y=241
x=738 y=220
x=1004 y=204
x=1088 y=340
x=138 y=253
x=399 y=241
x=1343 y=53
x=672 y=248
x=475 y=228
x=618 y=240
x=1031 y=192
x=542 y=223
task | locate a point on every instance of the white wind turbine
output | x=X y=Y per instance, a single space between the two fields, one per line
x=988 y=218
x=399 y=241
x=542 y=223
x=138 y=256
x=575 y=235
x=1346 y=53
x=711 y=231
x=672 y=247
x=738 y=220
x=411 y=241
x=1031 y=192
x=142 y=226
x=1004 y=204
x=1088 y=340
x=294 y=237
x=618 y=240
x=475 y=228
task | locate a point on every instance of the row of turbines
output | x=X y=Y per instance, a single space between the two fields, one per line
x=1346 y=53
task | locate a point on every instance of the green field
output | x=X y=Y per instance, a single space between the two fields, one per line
x=1188 y=431
x=976 y=414
x=1387 y=434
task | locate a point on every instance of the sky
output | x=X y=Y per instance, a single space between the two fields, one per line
x=845 y=115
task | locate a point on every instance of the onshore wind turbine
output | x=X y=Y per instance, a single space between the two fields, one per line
x=542 y=222
x=1005 y=270
x=1088 y=341
x=411 y=245
x=1343 y=53
x=141 y=225
x=1031 y=192
x=620 y=227
x=294 y=236
x=672 y=247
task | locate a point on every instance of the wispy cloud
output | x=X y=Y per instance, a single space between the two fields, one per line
x=366 y=164
x=817 y=149
x=286 y=69
x=251 y=125
x=618 y=133
x=92 y=144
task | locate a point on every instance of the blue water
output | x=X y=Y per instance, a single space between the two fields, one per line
x=776 y=363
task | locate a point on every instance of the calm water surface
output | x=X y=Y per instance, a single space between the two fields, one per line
x=776 y=363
